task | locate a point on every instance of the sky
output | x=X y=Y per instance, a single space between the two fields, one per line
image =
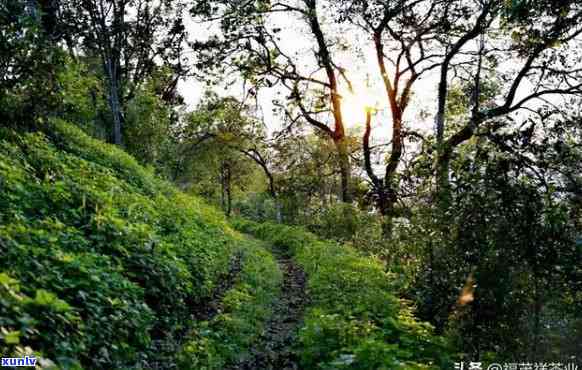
x=363 y=72
x=296 y=39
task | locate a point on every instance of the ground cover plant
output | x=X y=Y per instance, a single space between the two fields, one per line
x=99 y=257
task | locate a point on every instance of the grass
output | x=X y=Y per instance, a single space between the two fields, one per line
x=354 y=321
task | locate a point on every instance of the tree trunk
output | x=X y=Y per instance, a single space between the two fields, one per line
x=225 y=184
x=279 y=214
x=387 y=226
x=384 y=190
x=114 y=102
x=445 y=147
x=228 y=190
x=442 y=158
x=222 y=188
x=345 y=172
x=386 y=201
x=442 y=179
x=324 y=58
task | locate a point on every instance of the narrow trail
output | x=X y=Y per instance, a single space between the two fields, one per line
x=207 y=311
x=165 y=350
x=273 y=350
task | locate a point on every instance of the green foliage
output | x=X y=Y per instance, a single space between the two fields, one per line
x=16 y=323
x=245 y=307
x=148 y=126
x=308 y=181
x=106 y=256
x=82 y=97
x=508 y=244
x=216 y=137
x=339 y=222
x=28 y=66
x=354 y=321
x=257 y=207
x=344 y=222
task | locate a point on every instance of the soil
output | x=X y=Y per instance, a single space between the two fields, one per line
x=274 y=348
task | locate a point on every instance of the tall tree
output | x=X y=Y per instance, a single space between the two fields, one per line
x=522 y=42
x=249 y=44
x=131 y=37
x=517 y=44
x=402 y=37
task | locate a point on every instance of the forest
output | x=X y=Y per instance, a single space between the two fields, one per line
x=291 y=184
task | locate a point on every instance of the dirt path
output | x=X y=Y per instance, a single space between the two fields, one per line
x=165 y=350
x=273 y=350
x=208 y=310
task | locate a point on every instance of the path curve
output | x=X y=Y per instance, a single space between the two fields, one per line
x=273 y=350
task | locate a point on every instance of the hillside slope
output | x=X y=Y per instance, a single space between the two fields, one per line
x=105 y=266
x=98 y=256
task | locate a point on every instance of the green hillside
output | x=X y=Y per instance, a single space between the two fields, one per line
x=99 y=257
x=105 y=266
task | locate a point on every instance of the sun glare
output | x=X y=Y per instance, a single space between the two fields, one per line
x=354 y=106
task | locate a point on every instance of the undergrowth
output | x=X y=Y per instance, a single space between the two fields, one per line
x=354 y=321
x=98 y=256
x=227 y=337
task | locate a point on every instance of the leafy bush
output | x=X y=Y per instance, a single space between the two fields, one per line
x=354 y=321
x=258 y=207
x=228 y=336
x=339 y=222
x=98 y=256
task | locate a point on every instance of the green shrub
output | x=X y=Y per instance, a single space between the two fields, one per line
x=20 y=317
x=258 y=207
x=107 y=256
x=338 y=222
x=354 y=321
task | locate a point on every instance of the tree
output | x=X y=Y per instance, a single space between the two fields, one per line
x=308 y=175
x=249 y=45
x=220 y=138
x=402 y=34
x=30 y=61
x=149 y=122
x=131 y=37
x=535 y=33
x=460 y=40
